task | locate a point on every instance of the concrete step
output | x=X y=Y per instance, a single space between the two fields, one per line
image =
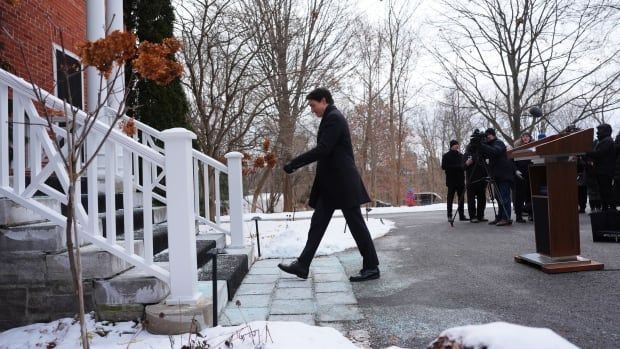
x=230 y=267
x=12 y=214
x=159 y=216
x=118 y=201
x=123 y=297
x=202 y=248
x=41 y=237
x=219 y=238
x=29 y=267
x=96 y=263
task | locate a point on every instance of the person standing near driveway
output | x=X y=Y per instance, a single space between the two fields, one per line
x=453 y=164
x=337 y=185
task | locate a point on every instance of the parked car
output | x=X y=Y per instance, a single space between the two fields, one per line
x=427 y=198
x=379 y=203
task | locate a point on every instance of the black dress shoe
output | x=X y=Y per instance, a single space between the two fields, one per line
x=463 y=218
x=366 y=274
x=483 y=219
x=520 y=220
x=294 y=268
x=493 y=222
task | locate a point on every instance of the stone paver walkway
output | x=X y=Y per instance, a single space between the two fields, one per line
x=267 y=293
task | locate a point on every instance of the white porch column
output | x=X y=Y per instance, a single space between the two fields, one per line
x=235 y=199
x=116 y=87
x=95 y=30
x=114 y=21
x=181 y=216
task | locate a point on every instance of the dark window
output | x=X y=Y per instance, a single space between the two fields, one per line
x=67 y=66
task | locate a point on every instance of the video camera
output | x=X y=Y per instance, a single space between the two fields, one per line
x=476 y=138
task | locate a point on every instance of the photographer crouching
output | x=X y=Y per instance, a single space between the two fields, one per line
x=501 y=170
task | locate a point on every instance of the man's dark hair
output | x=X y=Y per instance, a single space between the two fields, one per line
x=319 y=93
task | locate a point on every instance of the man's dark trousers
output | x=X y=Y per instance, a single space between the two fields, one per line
x=320 y=220
x=503 y=200
x=476 y=199
x=460 y=197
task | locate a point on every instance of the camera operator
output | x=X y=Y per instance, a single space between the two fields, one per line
x=475 y=182
x=604 y=157
x=521 y=194
x=502 y=171
x=452 y=163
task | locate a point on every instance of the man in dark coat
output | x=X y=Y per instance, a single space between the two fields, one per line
x=604 y=156
x=337 y=185
x=502 y=171
x=453 y=164
x=522 y=197
x=617 y=171
x=476 y=184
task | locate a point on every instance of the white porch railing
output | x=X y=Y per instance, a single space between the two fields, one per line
x=206 y=169
x=145 y=169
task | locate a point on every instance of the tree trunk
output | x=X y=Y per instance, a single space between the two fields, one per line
x=74 y=259
x=259 y=188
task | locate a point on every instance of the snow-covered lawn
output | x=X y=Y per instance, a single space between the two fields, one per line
x=65 y=333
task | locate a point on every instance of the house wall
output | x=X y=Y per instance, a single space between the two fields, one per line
x=35 y=26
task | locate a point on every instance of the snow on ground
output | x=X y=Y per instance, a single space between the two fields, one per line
x=287 y=238
x=502 y=335
x=65 y=334
x=373 y=212
x=283 y=237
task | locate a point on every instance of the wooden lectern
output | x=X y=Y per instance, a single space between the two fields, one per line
x=553 y=185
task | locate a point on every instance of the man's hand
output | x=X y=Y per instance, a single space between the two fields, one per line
x=288 y=168
x=469 y=162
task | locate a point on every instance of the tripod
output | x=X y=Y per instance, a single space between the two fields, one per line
x=491 y=186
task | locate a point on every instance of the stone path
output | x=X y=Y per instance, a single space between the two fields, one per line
x=267 y=293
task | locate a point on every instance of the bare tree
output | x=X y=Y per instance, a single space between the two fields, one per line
x=507 y=55
x=400 y=41
x=219 y=48
x=303 y=46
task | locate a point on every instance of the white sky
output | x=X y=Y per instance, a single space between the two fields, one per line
x=427 y=69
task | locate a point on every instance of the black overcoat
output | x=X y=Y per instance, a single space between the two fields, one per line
x=337 y=180
x=500 y=168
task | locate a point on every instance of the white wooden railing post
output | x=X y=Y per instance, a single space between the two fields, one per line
x=235 y=199
x=181 y=216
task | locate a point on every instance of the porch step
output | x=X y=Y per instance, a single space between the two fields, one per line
x=230 y=267
x=118 y=201
x=159 y=216
x=31 y=267
x=39 y=237
x=13 y=214
x=124 y=296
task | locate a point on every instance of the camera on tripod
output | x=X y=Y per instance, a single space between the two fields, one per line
x=476 y=138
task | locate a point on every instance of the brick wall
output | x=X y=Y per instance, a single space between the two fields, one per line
x=35 y=25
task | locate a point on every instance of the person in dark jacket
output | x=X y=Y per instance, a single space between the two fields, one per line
x=453 y=164
x=617 y=171
x=604 y=156
x=476 y=184
x=502 y=171
x=582 y=181
x=522 y=197
x=337 y=185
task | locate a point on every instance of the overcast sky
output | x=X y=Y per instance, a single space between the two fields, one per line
x=427 y=69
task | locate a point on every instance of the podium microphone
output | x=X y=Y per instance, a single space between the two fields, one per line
x=536 y=112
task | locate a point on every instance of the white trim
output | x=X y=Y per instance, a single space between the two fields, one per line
x=56 y=47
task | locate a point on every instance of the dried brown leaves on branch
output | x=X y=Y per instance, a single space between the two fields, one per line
x=129 y=127
x=151 y=61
